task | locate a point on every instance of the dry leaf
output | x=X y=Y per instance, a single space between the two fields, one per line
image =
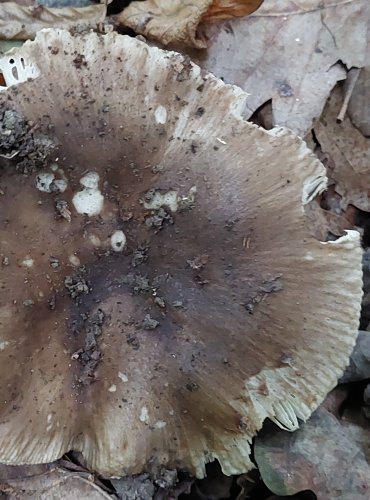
x=349 y=153
x=167 y=21
x=37 y=483
x=322 y=456
x=365 y=314
x=177 y=21
x=326 y=217
x=288 y=51
x=221 y=10
x=18 y=22
x=359 y=367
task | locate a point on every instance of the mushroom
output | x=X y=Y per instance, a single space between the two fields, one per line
x=188 y=301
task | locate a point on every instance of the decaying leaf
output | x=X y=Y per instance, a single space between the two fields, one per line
x=359 y=367
x=365 y=313
x=349 y=153
x=290 y=463
x=167 y=21
x=44 y=482
x=177 y=21
x=289 y=51
x=18 y=22
x=221 y=10
x=359 y=104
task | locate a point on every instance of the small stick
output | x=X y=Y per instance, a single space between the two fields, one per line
x=348 y=89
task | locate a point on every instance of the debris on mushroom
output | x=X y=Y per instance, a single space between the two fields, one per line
x=79 y=365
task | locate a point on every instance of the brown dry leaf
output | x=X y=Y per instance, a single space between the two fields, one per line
x=221 y=10
x=18 y=22
x=349 y=153
x=177 y=21
x=43 y=482
x=289 y=51
x=322 y=456
x=167 y=21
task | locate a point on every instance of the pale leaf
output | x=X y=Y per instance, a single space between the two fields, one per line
x=18 y=22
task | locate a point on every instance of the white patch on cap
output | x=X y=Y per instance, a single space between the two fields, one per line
x=169 y=199
x=160 y=115
x=313 y=185
x=123 y=377
x=89 y=201
x=118 y=241
x=90 y=180
x=27 y=261
x=144 y=415
x=74 y=260
x=61 y=185
x=49 y=423
x=112 y=388
x=95 y=240
x=3 y=344
x=160 y=424
x=45 y=180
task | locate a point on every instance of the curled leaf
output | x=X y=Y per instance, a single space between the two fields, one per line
x=220 y=10
x=47 y=481
x=167 y=21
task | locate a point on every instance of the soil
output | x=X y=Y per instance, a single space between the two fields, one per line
x=158 y=219
x=77 y=286
x=23 y=144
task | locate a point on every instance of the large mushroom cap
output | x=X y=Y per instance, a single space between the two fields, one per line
x=161 y=294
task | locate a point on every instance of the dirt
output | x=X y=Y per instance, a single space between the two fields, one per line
x=134 y=488
x=62 y=210
x=90 y=355
x=139 y=255
x=149 y=323
x=160 y=302
x=158 y=219
x=272 y=285
x=23 y=143
x=77 y=286
x=79 y=61
x=198 y=262
x=184 y=73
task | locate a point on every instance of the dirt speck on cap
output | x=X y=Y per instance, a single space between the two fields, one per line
x=23 y=143
x=158 y=218
x=77 y=286
x=149 y=323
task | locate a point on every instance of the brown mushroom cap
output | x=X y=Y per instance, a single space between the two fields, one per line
x=217 y=310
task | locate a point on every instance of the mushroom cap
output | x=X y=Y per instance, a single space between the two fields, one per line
x=186 y=301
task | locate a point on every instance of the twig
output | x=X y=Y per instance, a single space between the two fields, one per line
x=348 y=89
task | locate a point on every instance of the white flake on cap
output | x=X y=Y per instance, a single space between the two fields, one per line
x=89 y=201
x=118 y=241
